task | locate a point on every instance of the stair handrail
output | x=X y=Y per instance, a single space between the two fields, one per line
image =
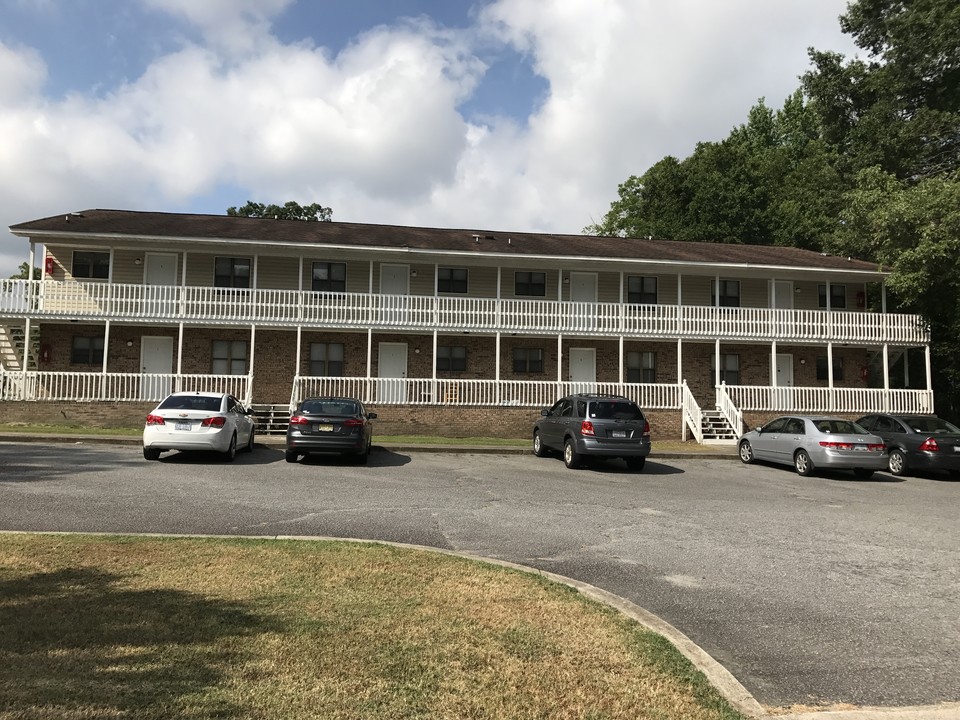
x=728 y=408
x=692 y=414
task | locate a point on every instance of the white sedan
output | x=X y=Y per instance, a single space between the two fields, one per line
x=198 y=421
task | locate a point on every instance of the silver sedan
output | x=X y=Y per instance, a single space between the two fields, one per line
x=810 y=442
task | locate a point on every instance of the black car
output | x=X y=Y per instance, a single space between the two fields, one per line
x=917 y=442
x=586 y=425
x=330 y=425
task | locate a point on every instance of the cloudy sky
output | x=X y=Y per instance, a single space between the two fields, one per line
x=518 y=115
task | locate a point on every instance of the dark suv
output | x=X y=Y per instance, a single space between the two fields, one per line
x=589 y=425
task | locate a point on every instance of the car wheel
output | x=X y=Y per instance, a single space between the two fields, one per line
x=897 y=463
x=291 y=456
x=570 y=457
x=364 y=456
x=803 y=463
x=636 y=463
x=231 y=452
x=863 y=473
x=539 y=449
x=746 y=452
x=151 y=454
x=249 y=446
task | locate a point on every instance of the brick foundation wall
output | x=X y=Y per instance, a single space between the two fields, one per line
x=391 y=419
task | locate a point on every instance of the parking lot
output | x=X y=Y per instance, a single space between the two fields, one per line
x=809 y=590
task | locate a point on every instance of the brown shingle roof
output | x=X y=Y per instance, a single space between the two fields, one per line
x=133 y=224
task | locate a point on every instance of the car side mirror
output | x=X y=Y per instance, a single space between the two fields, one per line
x=371 y=416
x=545 y=412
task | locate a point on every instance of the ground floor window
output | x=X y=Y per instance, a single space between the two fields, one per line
x=823 y=369
x=527 y=361
x=451 y=357
x=86 y=350
x=729 y=368
x=326 y=359
x=229 y=357
x=641 y=367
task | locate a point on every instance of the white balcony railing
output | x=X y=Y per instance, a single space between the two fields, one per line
x=52 y=300
x=136 y=387
x=828 y=400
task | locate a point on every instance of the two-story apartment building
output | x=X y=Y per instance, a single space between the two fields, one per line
x=445 y=330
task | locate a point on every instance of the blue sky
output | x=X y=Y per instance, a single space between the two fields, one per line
x=502 y=114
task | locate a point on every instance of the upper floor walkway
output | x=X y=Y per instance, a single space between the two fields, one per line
x=49 y=300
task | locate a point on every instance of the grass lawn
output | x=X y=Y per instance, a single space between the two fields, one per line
x=125 y=627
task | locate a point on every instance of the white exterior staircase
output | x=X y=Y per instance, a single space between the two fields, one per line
x=716 y=429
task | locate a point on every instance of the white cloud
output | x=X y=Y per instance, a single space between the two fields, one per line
x=375 y=131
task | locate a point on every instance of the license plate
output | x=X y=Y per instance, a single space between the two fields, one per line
x=184 y=426
x=324 y=428
x=860 y=447
x=956 y=448
x=618 y=433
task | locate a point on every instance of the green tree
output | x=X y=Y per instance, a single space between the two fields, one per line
x=288 y=211
x=23 y=272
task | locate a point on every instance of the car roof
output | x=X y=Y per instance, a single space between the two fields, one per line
x=197 y=394
x=335 y=398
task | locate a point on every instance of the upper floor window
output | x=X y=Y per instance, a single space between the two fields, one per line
x=329 y=277
x=641 y=367
x=326 y=359
x=91 y=265
x=530 y=283
x=528 y=360
x=86 y=350
x=838 y=296
x=452 y=280
x=229 y=357
x=451 y=357
x=231 y=272
x=642 y=290
x=729 y=293
x=823 y=369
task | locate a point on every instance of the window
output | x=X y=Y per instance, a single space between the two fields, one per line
x=452 y=280
x=641 y=367
x=642 y=290
x=729 y=293
x=91 y=265
x=86 y=351
x=795 y=426
x=838 y=296
x=229 y=357
x=528 y=360
x=231 y=272
x=729 y=368
x=451 y=357
x=530 y=283
x=329 y=277
x=326 y=359
x=823 y=369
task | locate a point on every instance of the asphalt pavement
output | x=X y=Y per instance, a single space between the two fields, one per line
x=809 y=591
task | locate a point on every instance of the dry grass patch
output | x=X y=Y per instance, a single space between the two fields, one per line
x=115 y=627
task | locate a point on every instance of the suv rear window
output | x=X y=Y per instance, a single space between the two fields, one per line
x=615 y=410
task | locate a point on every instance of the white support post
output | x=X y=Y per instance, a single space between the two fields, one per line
x=256 y=267
x=773 y=364
x=559 y=358
x=300 y=276
x=253 y=344
x=830 y=365
x=716 y=363
x=106 y=346
x=30 y=260
x=560 y=286
x=621 y=358
x=370 y=289
x=296 y=370
x=370 y=341
x=929 y=377
x=679 y=361
x=496 y=368
x=886 y=368
x=883 y=296
x=434 y=376
x=180 y=350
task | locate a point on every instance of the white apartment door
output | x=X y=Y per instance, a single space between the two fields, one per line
x=392 y=364
x=156 y=366
x=160 y=274
x=583 y=369
x=583 y=289
x=781 y=294
x=394 y=288
x=783 y=374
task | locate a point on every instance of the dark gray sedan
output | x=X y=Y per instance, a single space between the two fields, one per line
x=330 y=425
x=810 y=442
x=917 y=442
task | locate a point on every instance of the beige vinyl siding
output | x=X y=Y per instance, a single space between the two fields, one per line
x=608 y=287
x=125 y=268
x=277 y=273
x=754 y=293
x=696 y=289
